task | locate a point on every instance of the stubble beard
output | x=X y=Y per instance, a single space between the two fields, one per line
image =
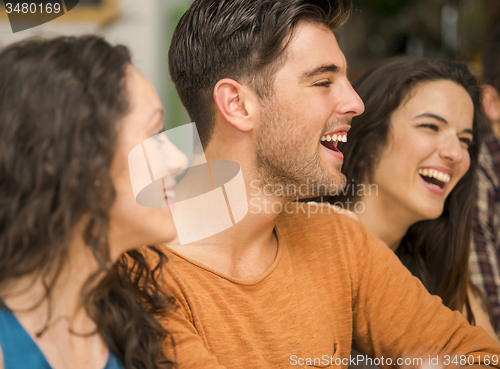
x=286 y=165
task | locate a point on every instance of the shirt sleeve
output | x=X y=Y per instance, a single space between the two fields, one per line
x=395 y=317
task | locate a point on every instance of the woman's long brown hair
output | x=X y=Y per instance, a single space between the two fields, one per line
x=60 y=103
x=436 y=251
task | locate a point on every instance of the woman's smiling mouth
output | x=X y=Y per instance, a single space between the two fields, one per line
x=435 y=179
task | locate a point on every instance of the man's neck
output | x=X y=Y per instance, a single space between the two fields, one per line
x=244 y=251
x=248 y=248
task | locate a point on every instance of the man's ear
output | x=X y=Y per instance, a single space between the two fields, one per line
x=491 y=102
x=235 y=103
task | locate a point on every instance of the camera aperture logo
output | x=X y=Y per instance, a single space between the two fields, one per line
x=26 y=14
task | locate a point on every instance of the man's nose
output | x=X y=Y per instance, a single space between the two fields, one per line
x=351 y=104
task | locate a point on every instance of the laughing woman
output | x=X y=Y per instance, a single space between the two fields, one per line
x=73 y=291
x=418 y=142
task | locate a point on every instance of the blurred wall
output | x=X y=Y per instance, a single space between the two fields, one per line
x=142 y=25
x=453 y=29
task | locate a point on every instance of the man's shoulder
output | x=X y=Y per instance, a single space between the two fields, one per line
x=315 y=216
x=322 y=224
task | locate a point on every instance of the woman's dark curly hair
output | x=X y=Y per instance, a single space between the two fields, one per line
x=437 y=250
x=60 y=103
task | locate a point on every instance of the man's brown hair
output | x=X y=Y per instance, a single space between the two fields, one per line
x=238 y=39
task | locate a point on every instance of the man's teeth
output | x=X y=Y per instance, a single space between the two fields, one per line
x=334 y=138
x=433 y=173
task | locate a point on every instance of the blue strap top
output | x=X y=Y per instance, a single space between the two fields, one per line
x=21 y=352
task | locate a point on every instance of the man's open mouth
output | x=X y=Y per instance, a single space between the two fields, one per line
x=330 y=141
x=434 y=177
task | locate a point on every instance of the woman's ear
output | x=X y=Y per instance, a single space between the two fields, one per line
x=235 y=103
x=491 y=102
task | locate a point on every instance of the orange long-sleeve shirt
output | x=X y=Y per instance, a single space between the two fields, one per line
x=331 y=281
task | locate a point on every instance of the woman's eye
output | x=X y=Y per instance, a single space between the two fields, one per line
x=434 y=127
x=466 y=141
x=323 y=84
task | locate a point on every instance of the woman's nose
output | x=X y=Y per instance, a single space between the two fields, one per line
x=451 y=150
x=175 y=159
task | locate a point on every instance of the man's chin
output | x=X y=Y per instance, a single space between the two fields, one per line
x=342 y=181
x=337 y=185
x=314 y=189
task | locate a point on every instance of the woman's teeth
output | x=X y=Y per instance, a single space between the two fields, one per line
x=433 y=173
x=335 y=138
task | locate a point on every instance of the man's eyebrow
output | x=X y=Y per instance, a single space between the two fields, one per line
x=441 y=119
x=322 y=69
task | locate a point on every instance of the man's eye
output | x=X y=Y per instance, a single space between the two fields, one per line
x=323 y=84
x=434 y=127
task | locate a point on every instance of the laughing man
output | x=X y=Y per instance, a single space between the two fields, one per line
x=265 y=82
